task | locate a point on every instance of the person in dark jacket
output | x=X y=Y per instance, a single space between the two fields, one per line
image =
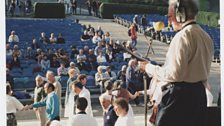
x=109 y=115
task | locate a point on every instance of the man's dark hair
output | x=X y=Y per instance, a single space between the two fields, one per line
x=122 y=102
x=82 y=103
x=81 y=77
x=50 y=85
x=77 y=84
x=8 y=89
x=108 y=85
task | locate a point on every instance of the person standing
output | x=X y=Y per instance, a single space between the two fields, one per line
x=186 y=69
x=144 y=23
x=58 y=88
x=109 y=115
x=51 y=102
x=69 y=96
x=12 y=105
x=121 y=108
x=82 y=118
x=39 y=95
x=74 y=6
x=51 y=79
x=89 y=6
x=80 y=91
x=133 y=32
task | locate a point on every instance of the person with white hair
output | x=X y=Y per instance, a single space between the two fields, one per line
x=55 y=123
x=186 y=69
x=132 y=79
x=69 y=95
x=109 y=115
x=100 y=78
x=13 y=37
x=135 y=19
x=51 y=79
x=126 y=55
x=39 y=95
x=85 y=36
x=100 y=31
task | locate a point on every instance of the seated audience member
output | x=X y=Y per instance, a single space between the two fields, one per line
x=72 y=65
x=50 y=54
x=52 y=38
x=121 y=108
x=91 y=33
x=82 y=118
x=15 y=62
x=40 y=56
x=29 y=53
x=62 y=70
x=110 y=74
x=108 y=47
x=91 y=65
x=16 y=51
x=96 y=38
x=9 y=78
x=127 y=56
x=107 y=37
x=60 y=39
x=54 y=63
x=35 y=44
x=86 y=50
x=98 y=49
x=91 y=56
x=100 y=31
x=13 y=37
x=110 y=57
x=74 y=52
x=109 y=116
x=45 y=63
x=101 y=58
x=8 y=50
x=85 y=36
x=81 y=65
x=81 y=56
x=121 y=75
x=43 y=38
x=63 y=56
x=90 y=27
x=100 y=78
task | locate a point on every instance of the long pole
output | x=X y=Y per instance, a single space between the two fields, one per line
x=145 y=97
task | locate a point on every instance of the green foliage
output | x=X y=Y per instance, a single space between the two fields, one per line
x=107 y=10
x=49 y=10
x=208 y=18
x=154 y=2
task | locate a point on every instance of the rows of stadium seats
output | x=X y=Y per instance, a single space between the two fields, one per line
x=24 y=77
x=212 y=31
x=27 y=29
